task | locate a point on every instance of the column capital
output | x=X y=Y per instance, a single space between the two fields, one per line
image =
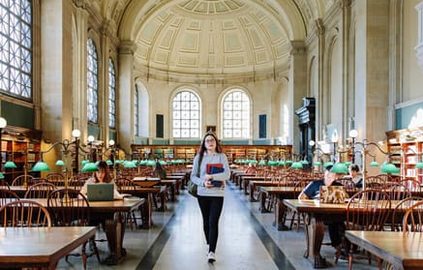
x=127 y=47
x=320 y=28
x=298 y=47
x=81 y=3
x=345 y=3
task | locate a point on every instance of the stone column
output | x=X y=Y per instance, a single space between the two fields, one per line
x=103 y=78
x=297 y=86
x=320 y=28
x=79 y=68
x=126 y=95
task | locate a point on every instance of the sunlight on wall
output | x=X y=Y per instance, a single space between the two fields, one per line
x=417 y=119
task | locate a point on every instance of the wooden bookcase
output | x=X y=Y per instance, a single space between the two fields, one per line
x=188 y=151
x=406 y=148
x=22 y=147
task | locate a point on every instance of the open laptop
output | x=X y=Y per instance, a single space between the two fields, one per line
x=333 y=194
x=100 y=192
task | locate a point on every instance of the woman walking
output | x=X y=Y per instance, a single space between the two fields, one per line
x=209 y=172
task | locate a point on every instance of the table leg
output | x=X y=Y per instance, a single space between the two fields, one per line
x=280 y=216
x=252 y=187
x=263 y=197
x=115 y=231
x=315 y=230
x=146 y=213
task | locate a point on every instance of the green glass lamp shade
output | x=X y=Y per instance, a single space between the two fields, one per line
x=252 y=161
x=304 y=162
x=135 y=162
x=144 y=162
x=118 y=161
x=60 y=163
x=85 y=161
x=347 y=163
x=129 y=164
x=162 y=162
x=419 y=165
x=326 y=164
x=339 y=168
x=109 y=162
x=288 y=162
x=151 y=162
x=272 y=163
x=1 y=176
x=40 y=166
x=89 y=167
x=389 y=168
x=374 y=164
x=317 y=163
x=281 y=163
x=297 y=165
x=10 y=165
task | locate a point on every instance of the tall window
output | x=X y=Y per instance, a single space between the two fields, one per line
x=186 y=115
x=136 y=111
x=16 y=48
x=236 y=115
x=112 y=94
x=92 y=82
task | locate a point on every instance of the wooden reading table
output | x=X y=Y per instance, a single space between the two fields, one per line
x=40 y=247
x=403 y=250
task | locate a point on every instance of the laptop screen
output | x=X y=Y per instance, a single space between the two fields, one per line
x=100 y=192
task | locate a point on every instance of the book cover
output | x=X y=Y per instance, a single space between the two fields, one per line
x=213 y=168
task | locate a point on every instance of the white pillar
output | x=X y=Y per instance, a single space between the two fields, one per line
x=126 y=95
x=419 y=47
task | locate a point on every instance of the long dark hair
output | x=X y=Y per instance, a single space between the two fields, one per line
x=203 y=148
x=102 y=166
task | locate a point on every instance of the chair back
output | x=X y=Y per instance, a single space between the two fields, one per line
x=5 y=195
x=4 y=184
x=24 y=213
x=375 y=182
x=56 y=178
x=367 y=210
x=40 y=190
x=398 y=192
x=398 y=212
x=413 y=218
x=22 y=179
x=69 y=207
x=348 y=184
x=412 y=184
x=124 y=183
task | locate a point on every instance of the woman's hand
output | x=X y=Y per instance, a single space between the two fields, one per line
x=207 y=180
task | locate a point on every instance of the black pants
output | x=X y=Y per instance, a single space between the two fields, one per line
x=336 y=232
x=211 y=207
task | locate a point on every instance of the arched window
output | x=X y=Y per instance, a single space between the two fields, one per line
x=16 y=48
x=92 y=82
x=112 y=95
x=137 y=111
x=236 y=115
x=186 y=115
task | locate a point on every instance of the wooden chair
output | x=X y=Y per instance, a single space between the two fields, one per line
x=6 y=194
x=375 y=182
x=397 y=218
x=398 y=192
x=296 y=216
x=125 y=184
x=69 y=207
x=413 y=218
x=56 y=178
x=24 y=213
x=366 y=211
x=412 y=184
x=348 y=184
x=22 y=179
x=40 y=190
x=4 y=184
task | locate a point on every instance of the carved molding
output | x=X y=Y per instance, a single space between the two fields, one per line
x=298 y=47
x=419 y=47
x=127 y=47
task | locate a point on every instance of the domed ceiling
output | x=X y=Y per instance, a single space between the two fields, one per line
x=212 y=37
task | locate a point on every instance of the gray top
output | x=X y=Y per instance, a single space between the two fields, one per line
x=210 y=159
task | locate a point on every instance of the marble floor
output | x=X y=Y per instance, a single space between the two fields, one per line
x=247 y=240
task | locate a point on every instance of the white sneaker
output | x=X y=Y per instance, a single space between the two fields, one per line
x=211 y=257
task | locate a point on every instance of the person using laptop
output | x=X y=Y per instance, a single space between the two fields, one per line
x=312 y=191
x=99 y=177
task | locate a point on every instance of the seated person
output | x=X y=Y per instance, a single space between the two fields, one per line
x=356 y=176
x=101 y=176
x=312 y=191
x=159 y=171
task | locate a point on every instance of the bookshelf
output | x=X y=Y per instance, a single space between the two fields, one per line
x=22 y=147
x=188 y=152
x=406 y=148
